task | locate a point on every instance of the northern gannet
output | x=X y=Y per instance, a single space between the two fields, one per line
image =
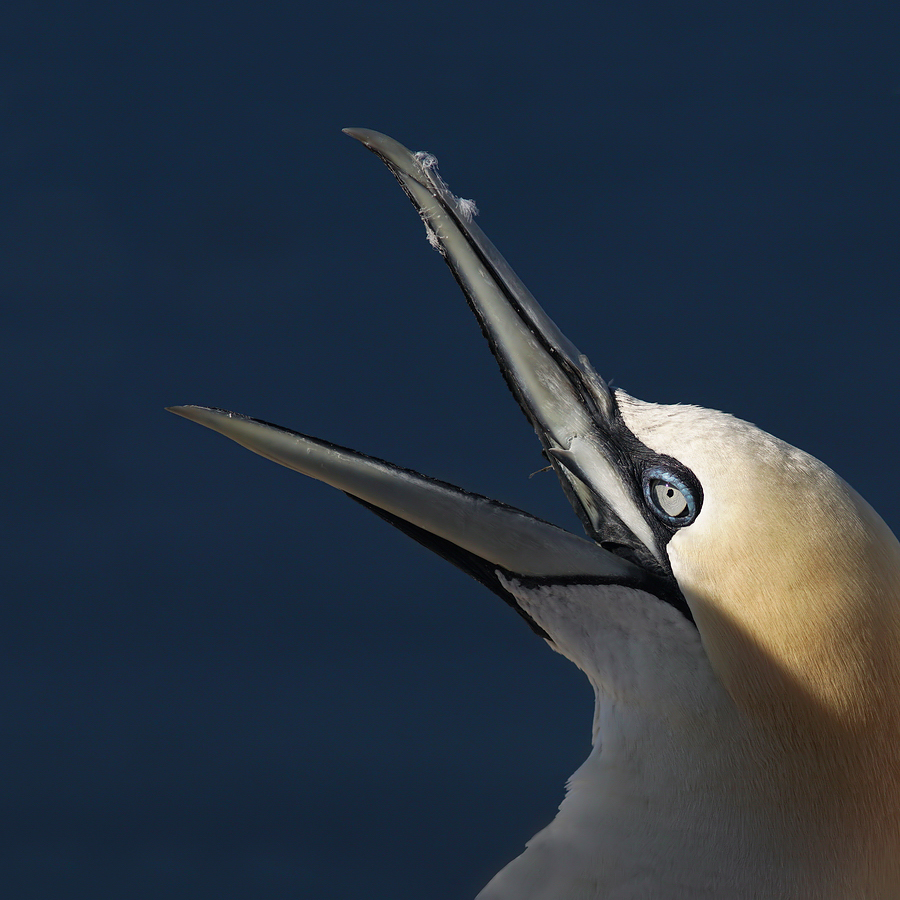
x=736 y=608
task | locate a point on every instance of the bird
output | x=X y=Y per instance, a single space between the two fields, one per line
x=734 y=604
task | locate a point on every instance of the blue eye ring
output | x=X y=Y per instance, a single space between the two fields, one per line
x=657 y=477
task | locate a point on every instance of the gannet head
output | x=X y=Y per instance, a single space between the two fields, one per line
x=732 y=588
x=791 y=577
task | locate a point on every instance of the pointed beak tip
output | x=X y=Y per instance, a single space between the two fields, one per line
x=391 y=152
x=365 y=136
x=200 y=414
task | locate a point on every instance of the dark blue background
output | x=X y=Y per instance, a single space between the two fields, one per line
x=222 y=680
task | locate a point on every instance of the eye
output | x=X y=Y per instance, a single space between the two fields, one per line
x=669 y=497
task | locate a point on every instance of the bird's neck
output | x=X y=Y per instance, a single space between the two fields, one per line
x=640 y=814
x=688 y=809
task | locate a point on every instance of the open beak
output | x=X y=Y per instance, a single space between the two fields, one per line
x=572 y=410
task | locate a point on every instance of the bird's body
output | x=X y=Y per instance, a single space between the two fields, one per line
x=736 y=609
